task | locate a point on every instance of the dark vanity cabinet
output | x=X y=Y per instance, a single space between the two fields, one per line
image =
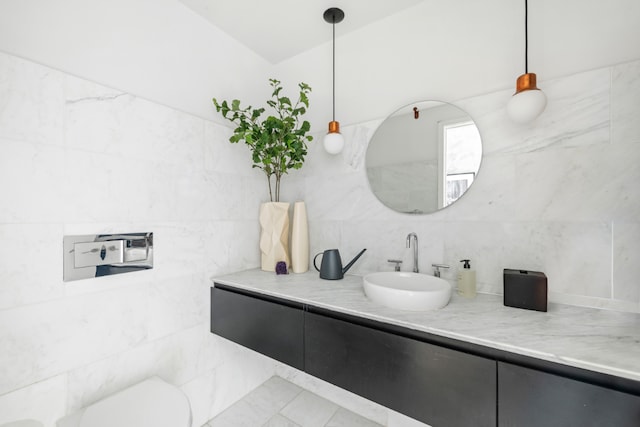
x=437 y=380
x=273 y=329
x=533 y=398
x=433 y=384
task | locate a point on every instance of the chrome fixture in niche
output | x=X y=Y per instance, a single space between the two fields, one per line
x=106 y=254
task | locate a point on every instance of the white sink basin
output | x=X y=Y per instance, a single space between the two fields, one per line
x=407 y=291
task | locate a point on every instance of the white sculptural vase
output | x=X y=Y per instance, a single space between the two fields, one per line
x=274 y=235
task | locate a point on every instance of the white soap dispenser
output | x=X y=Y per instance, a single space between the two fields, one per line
x=467 y=280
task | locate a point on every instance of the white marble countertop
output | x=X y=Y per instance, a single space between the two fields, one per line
x=598 y=340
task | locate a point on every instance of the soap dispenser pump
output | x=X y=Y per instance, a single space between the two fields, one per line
x=467 y=280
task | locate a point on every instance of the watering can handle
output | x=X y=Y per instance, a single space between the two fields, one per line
x=314 y=260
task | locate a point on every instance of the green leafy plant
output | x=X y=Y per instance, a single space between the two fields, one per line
x=278 y=142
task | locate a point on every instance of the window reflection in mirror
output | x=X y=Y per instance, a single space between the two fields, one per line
x=461 y=151
x=419 y=165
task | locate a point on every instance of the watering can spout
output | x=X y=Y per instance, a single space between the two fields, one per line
x=348 y=266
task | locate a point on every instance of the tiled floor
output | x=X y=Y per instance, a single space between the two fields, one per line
x=279 y=403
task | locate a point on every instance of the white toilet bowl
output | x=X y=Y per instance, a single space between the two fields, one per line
x=150 y=403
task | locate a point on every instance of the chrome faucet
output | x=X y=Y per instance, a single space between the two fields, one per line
x=415 y=250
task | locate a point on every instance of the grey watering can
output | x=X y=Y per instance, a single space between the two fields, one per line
x=331 y=266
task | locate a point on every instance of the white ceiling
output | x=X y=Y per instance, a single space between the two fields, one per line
x=280 y=29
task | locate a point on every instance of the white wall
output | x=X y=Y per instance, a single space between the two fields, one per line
x=80 y=158
x=450 y=50
x=156 y=49
x=77 y=157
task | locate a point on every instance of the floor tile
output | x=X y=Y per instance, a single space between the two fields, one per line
x=273 y=395
x=345 y=418
x=242 y=414
x=280 y=421
x=309 y=410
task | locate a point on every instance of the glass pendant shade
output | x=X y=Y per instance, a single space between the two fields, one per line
x=333 y=141
x=528 y=102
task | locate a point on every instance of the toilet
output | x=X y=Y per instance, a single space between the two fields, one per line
x=150 y=403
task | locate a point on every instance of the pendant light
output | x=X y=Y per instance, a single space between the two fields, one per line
x=333 y=140
x=528 y=102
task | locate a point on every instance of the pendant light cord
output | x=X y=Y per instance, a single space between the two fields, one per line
x=526 y=38
x=334 y=68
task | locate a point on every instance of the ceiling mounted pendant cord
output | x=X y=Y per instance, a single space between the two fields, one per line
x=333 y=140
x=528 y=102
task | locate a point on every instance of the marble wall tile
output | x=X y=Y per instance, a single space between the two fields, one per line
x=44 y=401
x=625 y=98
x=47 y=339
x=100 y=188
x=31 y=102
x=577 y=114
x=578 y=184
x=172 y=358
x=108 y=121
x=178 y=248
x=177 y=303
x=242 y=371
x=222 y=156
x=23 y=247
x=231 y=246
x=626 y=268
x=32 y=174
x=574 y=256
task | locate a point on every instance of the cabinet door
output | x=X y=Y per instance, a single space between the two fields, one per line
x=527 y=397
x=267 y=327
x=436 y=385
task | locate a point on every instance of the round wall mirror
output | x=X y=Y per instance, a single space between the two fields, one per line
x=423 y=157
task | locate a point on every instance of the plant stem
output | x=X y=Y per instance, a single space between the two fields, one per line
x=270 y=194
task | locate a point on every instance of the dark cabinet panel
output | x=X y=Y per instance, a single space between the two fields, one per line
x=531 y=398
x=275 y=330
x=436 y=385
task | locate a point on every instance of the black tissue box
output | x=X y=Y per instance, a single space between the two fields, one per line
x=525 y=289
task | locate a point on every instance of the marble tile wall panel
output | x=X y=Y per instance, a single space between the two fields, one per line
x=33 y=174
x=626 y=268
x=31 y=102
x=22 y=246
x=174 y=358
x=625 y=98
x=241 y=371
x=47 y=339
x=577 y=114
x=232 y=247
x=546 y=197
x=80 y=158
